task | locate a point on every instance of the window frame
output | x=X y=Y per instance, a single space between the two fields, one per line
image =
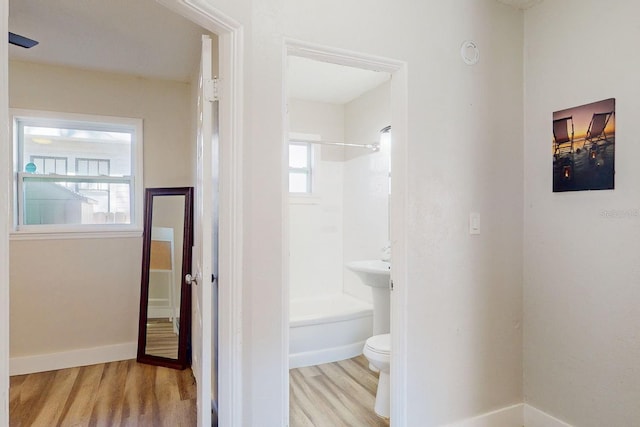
x=308 y=171
x=84 y=121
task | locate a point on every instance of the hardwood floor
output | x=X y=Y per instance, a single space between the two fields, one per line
x=334 y=394
x=130 y=394
x=113 y=394
x=161 y=339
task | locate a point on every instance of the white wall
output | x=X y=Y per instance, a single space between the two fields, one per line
x=582 y=249
x=82 y=293
x=464 y=293
x=366 y=188
x=315 y=222
x=465 y=153
x=465 y=130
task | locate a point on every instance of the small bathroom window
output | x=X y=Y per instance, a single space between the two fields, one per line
x=300 y=167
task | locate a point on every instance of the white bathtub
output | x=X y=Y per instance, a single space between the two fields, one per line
x=327 y=329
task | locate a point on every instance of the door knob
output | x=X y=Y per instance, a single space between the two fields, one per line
x=190 y=280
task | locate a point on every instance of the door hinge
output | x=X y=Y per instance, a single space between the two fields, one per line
x=211 y=89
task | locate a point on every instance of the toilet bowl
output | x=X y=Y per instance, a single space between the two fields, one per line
x=377 y=350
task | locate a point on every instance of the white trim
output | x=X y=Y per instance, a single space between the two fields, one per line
x=231 y=52
x=399 y=213
x=534 y=417
x=203 y=13
x=325 y=355
x=230 y=374
x=69 y=359
x=295 y=136
x=5 y=198
x=510 y=416
x=285 y=259
x=303 y=199
x=77 y=235
x=161 y=312
x=398 y=205
x=517 y=415
x=341 y=56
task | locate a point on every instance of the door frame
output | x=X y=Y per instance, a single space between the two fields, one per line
x=5 y=194
x=397 y=204
x=230 y=87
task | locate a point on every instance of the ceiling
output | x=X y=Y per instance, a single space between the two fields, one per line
x=142 y=37
x=313 y=80
x=139 y=37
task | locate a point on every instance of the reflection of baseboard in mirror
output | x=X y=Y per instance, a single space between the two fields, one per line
x=165 y=297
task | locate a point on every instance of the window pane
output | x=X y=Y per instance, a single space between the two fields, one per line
x=61 y=166
x=93 y=152
x=93 y=167
x=298 y=156
x=49 y=202
x=48 y=165
x=298 y=182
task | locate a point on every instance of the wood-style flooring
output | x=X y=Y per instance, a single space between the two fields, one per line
x=122 y=393
x=161 y=339
x=131 y=394
x=334 y=394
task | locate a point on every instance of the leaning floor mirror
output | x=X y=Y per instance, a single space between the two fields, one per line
x=165 y=298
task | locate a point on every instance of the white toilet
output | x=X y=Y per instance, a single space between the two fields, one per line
x=377 y=350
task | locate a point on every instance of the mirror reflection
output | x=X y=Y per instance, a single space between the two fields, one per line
x=165 y=298
x=165 y=263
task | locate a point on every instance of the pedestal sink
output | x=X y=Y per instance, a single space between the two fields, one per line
x=376 y=274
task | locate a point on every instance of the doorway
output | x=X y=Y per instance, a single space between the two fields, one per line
x=229 y=244
x=327 y=150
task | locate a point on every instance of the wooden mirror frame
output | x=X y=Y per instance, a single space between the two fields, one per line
x=184 y=357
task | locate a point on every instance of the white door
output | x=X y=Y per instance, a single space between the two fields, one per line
x=203 y=260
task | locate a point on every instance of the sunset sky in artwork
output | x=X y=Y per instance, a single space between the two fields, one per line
x=582 y=116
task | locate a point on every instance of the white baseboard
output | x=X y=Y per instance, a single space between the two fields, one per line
x=326 y=355
x=511 y=416
x=536 y=418
x=519 y=415
x=73 y=358
x=160 y=313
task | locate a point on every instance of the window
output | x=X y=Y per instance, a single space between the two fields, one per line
x=299 y=167
x=76 y=172
x=48 y=164
x=93 y=167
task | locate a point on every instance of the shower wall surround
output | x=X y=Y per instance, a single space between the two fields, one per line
x=315 y=221
x=366 y=184
x=346 y=217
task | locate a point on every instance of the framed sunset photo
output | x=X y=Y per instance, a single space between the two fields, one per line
x=583 y=147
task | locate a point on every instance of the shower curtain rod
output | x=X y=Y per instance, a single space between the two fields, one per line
x=373 y=147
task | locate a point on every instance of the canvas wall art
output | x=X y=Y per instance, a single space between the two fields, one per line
x=584 y=147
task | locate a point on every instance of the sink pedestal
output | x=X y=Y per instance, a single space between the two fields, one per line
x=381 y=310
x=376 y=275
